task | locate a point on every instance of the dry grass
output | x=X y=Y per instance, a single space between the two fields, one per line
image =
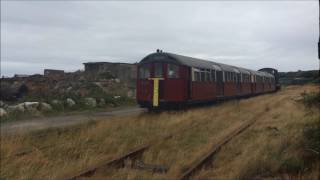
x=258 y=152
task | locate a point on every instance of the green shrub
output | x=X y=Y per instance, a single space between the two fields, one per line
x=292 y=165
x=311 y=136
x=311 y=99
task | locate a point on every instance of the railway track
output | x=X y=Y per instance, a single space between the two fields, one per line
x=134 y=156
x=206 y=158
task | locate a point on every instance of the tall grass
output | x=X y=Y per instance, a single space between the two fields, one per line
x=268 y=149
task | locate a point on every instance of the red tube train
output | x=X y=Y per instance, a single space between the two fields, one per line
x=170 y=80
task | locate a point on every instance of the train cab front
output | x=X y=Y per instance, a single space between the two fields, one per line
x=158 y=84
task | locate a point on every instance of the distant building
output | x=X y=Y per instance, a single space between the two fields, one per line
x=21 y=76
x=53 y=73
x=125 y=72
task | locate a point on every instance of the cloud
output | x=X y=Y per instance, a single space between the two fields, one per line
x=250 y=34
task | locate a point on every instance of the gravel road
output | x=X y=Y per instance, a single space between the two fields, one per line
x=25 y=126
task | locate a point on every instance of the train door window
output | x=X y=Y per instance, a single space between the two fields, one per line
x=158 y=71
x=213 y=75
x=202 y=75
x=227 y=76
x=208 y=75
x=144 y=72
x=173 y=71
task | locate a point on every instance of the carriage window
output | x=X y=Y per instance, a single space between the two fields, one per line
x=158 y=70
x=173 y=71
x=144 y=72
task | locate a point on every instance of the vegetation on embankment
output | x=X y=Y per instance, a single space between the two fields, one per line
x=283 y=142
x=70 y=102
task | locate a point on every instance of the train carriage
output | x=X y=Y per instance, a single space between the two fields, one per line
x=166 y=79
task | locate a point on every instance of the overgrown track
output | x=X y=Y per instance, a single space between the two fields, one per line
x=206 y=158
x=133 y=155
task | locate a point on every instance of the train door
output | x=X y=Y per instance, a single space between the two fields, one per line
x=189 y=85
x=159 y=73
x=253 y=84
x=238 y=82
x=220 y=85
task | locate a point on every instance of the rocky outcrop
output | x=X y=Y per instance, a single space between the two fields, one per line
x=3 y=113
x=102 y=102
x=19 y=108
x=90 y=102
x=45 y=107
x=70 y=102
x=31 y=106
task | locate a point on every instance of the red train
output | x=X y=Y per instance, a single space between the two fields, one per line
x=166 y=80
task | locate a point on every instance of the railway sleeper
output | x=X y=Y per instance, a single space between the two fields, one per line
x=155 y=168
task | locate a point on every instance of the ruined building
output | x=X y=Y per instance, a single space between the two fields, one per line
x=124 y=72
x=53 y=73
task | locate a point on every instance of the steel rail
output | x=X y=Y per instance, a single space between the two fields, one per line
x=134 y=154
x=207 y=157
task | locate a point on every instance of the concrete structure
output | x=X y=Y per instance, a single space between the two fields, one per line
x=53 y=73
x=125 y=72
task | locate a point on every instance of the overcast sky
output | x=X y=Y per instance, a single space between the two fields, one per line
x=63 y=35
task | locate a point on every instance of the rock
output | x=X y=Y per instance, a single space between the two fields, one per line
x=116 y=97
x=102 y=102
x=19 y=108
x=116 y=80
x=70 y=102
x=3 y=113
x=2 y=104
x=130 y=94
x=90 y=102
x=45 y=107
x=69 y=89
x=31 y=105
x=57 y=104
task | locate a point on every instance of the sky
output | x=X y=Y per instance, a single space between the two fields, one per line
x=252 y=34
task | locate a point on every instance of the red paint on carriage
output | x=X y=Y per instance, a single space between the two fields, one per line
x=188 y=80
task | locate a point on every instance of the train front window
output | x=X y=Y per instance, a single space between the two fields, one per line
x=144 y=72
x=158 y=72
x=173 y=71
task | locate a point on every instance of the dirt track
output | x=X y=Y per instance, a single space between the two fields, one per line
x=62 y=121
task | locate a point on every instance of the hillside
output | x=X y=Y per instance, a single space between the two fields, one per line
x=299 y=77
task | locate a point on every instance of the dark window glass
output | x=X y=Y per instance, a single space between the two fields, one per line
x=202 y=76
x=213 y=75
x=158 y=70
x=197 y=76
x=208 y=75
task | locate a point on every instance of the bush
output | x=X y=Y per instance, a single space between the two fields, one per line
x=311 y=135
x=292 y=165
x=311 y=99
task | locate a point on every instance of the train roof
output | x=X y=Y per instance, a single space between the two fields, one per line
x=197 y=63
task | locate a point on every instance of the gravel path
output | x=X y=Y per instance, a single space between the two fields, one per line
x=28 y=125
